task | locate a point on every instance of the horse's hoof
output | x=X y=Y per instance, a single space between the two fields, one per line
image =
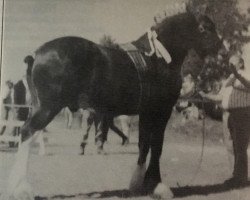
x=101 y=151
x=83 y=145
x=136 y=183
x=100 y=148
x=162 y=192
x=22 y=192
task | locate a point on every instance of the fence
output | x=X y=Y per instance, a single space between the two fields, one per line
x=12 y=123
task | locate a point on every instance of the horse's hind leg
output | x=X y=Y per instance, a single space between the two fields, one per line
x=87 y=116
x=97 y=121
x=102 y=132
x=17 y=185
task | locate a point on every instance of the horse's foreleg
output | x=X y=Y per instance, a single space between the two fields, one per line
x=136 y=183
x=152 y=182
x=125 y=125
x=18 y=188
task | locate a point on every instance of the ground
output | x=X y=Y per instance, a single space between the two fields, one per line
x=64 y=174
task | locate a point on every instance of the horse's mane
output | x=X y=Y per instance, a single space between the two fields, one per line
x=170 y=13
x=108 y=42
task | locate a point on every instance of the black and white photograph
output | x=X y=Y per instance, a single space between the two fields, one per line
x=124 y=99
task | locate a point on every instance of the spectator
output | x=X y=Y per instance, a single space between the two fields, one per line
x=7 y=98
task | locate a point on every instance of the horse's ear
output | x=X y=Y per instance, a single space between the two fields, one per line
x=200 y=11
x=197 y=11
x=190 y=7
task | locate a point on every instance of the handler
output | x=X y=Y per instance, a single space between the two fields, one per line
x=236 y=94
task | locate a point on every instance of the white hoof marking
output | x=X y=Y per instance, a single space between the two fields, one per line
x=23 y=191
x=162 y=192
x=137 y=178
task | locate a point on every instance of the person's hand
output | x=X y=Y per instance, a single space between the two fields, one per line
x=203 y=94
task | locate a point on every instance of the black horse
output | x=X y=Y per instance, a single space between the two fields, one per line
x=95 y=119
x=71 y=71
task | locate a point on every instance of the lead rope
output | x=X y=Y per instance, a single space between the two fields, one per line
x=202 y=147
x=203 y=130
x=200 y=160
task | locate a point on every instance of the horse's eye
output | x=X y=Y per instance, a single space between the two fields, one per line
x=201 y=29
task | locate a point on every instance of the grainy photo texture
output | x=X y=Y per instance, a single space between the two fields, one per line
x=125 y=99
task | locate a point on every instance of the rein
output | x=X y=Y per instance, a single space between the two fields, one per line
x=202 y=147
x=203 y=130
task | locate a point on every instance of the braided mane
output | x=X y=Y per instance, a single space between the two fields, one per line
x=170 y=11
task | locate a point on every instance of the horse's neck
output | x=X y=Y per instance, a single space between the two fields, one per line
x=177 y=34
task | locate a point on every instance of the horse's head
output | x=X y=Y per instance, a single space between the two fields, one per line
x=186 y=30
x=206 y=39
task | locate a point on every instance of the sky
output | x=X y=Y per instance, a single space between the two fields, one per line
x=30 y=23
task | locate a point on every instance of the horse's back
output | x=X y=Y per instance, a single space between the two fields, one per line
x=70 y=67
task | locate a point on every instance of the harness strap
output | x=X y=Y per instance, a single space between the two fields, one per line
x=141 y=68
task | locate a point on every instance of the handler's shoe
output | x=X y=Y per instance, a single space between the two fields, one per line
x=235 y=182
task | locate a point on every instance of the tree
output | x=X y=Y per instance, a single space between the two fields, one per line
x=231 y=25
